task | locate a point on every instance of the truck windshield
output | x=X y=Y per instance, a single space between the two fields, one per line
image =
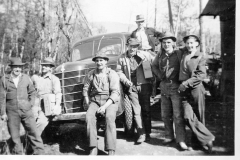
x=112 y=46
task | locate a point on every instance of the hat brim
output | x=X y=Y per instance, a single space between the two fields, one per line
x=18 y=64
x=169 y=37
x=140 y=20
x=192 y=35
x=94 y=58
x=133 y=44
x=48 y=64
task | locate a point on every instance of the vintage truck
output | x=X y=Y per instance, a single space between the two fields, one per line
x=72 y=73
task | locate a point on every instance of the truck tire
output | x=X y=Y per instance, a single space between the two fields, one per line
x=128 y=113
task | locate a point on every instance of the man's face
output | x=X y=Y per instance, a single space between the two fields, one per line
x=46 y=68
x=167 y=44
x=132 y=49
x=192 y=44
x=101 y=63
x=16 y=70
x=140 y=24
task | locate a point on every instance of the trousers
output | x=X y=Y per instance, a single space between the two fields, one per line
x=133 y=96
x=172 y=111
x=144 y=93
x=110 y=117
x=41 y=120
x=15 y=117
x=194 y=114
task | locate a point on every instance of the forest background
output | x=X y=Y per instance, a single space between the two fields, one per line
x=34 y=29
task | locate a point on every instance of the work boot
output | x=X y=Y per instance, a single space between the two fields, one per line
x=141 y=137
x=167 y=141
x=93 y=151
x=183 y=146
x=111 y=152
x=147 y=139
x=210 y=146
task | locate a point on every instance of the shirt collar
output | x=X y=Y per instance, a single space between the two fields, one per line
x=141 y=29
x=129 y=56
x=48 y=75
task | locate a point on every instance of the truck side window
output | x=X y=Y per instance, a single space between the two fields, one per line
x=82 y=51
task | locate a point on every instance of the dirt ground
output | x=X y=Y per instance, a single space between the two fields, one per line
x=71 y=139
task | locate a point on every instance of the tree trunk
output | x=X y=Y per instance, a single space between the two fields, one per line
x=178 y=17
x=202 y=37
x=170 y=16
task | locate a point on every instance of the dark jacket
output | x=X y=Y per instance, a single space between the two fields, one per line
x=151 y=33
x=156 y=64
x=124 y=67
x=12 y=98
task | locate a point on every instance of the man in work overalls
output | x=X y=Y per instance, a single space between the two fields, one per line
x=101 y=92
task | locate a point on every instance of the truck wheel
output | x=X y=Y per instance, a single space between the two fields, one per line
x=128 y=112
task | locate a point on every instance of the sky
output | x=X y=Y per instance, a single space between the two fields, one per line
x=125 y=11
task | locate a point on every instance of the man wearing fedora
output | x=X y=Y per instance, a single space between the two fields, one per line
x=16 y=100
x=192 y=73
x=101 y=93
x=166 y=66
x=140 y=88
x=145 y=35
x=46 y=84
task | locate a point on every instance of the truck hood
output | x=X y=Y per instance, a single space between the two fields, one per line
x=82 y=64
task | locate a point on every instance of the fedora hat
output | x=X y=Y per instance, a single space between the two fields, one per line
x=15 y=61
x=168 y=35
x=139 y=18
x=100 y=54
x=133 y=42
x=189 y=36
x=48 y=61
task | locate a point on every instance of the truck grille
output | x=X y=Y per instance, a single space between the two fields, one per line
x=72 y=85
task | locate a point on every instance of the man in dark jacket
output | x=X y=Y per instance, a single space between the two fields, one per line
x=145 y=35
x=16 y=99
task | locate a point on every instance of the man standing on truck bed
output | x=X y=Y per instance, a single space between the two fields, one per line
x=145 y=35
x=101 y=92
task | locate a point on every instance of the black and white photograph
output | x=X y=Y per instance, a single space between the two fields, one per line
x=118 y=78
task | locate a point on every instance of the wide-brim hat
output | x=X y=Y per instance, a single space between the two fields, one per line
x=191 y=35
x=168 y=35
x=100 y=54
x=140 y=18
x=133 y=42
x=15 y=61
x=48 y=61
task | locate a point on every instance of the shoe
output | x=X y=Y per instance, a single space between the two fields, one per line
x=167 y=141
x=111 y=152
x=183 y=146
x=141 y=139
x=147 y=138
x=93 y=151
x=210 y=146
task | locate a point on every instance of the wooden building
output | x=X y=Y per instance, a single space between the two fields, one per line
x=226 y=10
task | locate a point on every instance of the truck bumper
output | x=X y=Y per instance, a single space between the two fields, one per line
x=70 y=116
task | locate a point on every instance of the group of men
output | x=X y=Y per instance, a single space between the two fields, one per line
x=180 y=72
x=21 y=102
